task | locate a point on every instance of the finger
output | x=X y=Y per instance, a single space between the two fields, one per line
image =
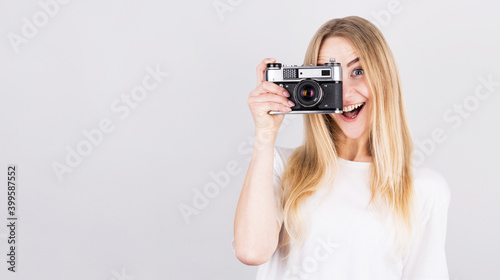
x=270 y=87
x=261 y=108
x=269 y=97
x=261 y=68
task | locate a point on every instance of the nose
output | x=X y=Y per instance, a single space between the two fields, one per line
x=348 y=89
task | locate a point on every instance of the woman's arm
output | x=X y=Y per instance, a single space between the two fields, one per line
x=256 y=230
x=427 y=257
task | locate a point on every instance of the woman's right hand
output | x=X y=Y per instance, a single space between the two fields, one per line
x=268 y=96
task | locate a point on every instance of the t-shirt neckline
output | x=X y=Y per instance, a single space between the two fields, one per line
x=354 y=163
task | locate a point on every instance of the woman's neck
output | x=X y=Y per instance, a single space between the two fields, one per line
x=354 y=149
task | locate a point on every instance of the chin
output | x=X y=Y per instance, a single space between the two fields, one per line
x=352 y=130
x=353 y=134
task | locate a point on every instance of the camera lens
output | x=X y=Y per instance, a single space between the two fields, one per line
x=308 y=93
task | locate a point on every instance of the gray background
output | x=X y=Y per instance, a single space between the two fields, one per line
x=116 y=215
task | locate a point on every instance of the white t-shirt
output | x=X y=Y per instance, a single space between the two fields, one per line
x=347 y=241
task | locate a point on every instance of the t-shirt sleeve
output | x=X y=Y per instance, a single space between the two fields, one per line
x=281 y=155
x=426 y=259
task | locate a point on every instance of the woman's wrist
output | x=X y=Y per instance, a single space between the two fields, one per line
x=265 y=139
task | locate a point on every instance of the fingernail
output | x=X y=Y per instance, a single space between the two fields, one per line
x=291 y=103
x=285 y=93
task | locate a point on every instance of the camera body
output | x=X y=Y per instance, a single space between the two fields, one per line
x=313 y=89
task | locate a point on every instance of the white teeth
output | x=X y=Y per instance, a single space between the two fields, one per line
x=352 y=107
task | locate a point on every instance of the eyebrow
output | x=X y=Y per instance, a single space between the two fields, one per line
x=353 y=61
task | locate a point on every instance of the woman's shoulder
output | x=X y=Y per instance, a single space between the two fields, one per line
x=283 y=152
x=430 y=185
x=281 y=155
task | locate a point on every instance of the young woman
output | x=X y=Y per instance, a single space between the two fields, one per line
x=347 y=204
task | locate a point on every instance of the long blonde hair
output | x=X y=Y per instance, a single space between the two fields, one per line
x=390 y=143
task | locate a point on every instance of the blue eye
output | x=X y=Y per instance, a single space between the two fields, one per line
x=358 y=72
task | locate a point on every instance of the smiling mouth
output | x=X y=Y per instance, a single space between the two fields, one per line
x=352 y=111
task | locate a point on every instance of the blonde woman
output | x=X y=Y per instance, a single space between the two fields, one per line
x=348 y=203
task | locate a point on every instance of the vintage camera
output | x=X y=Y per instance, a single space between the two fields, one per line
x=313 y=89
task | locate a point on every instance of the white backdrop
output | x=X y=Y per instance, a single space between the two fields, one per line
x=120 y=113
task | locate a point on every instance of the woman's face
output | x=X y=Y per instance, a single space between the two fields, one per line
x=357 y=106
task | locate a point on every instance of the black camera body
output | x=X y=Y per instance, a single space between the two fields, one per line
x=313 y=89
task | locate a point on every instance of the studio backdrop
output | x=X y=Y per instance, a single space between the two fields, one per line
x=125 y=133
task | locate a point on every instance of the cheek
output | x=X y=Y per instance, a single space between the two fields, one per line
x=360 y=87
x=336 y=118
x=368 y=94
x=365 y=90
